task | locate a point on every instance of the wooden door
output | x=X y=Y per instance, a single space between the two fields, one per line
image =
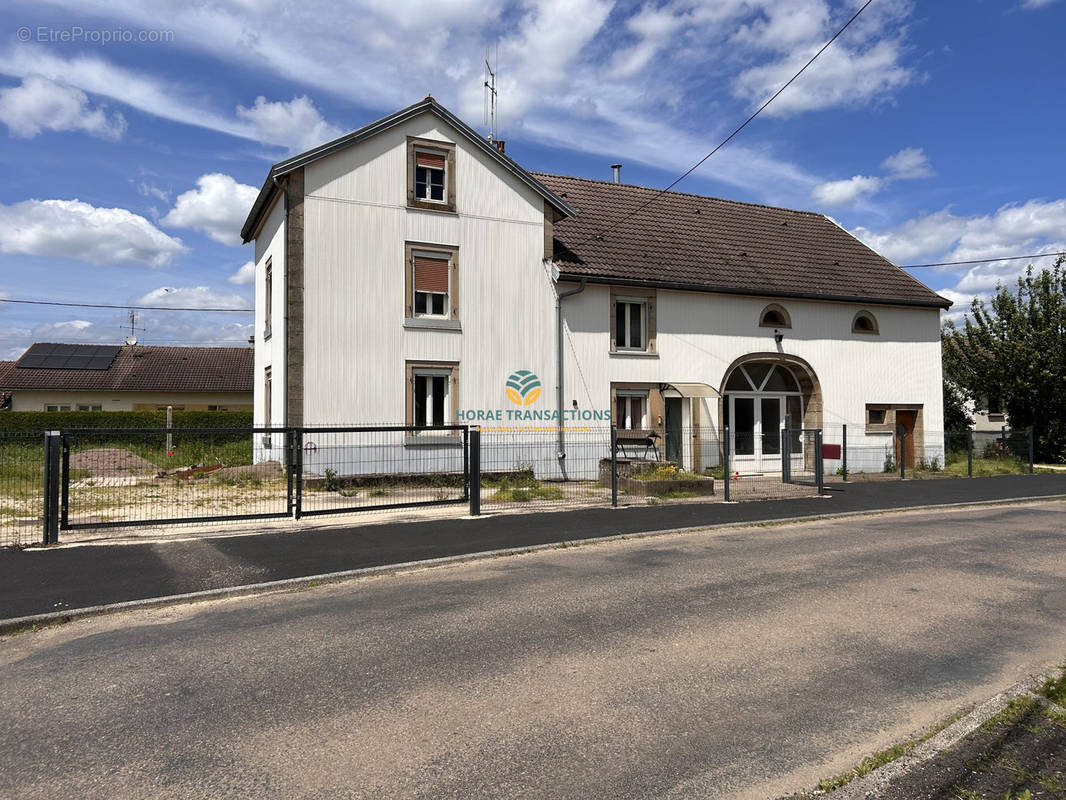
x=905 y=421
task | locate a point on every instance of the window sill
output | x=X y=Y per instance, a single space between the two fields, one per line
x=266 y=336
x=432 y=440
x=633 y=354
x=879 y=429
x=432 y=324
x=440 y=208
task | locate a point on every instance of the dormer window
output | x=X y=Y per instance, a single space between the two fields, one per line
x=430 y=174
x=864 y=322
x=774 y=316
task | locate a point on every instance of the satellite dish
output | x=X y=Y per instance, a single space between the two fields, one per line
x=131 y=340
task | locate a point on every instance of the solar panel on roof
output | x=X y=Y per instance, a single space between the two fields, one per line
x=69 y=356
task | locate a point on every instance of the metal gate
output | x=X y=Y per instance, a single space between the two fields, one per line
x=107 y=478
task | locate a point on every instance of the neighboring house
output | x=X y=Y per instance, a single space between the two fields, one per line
x=5 y=395
x=988 y=415
x=79 y=377
x=412 y=272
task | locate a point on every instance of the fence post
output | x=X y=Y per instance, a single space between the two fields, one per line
x=725 y=462
x=298 y=436
x=466 y=463
x=1030 y=449
x=614 y=465
x=819 y=464
x=901 y=432
x=51 y=486
x=1003 y=437
x=844 y=450
x=64 y=477
x=475 y=472
x=969 y=453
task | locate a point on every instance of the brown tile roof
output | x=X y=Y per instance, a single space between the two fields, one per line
x=146 y=368
x=691 y=241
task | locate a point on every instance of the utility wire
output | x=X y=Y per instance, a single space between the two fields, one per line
x=727 y=139
x=978 y=261
x=124 y=307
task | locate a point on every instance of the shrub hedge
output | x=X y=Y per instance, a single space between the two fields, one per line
x=40 y=421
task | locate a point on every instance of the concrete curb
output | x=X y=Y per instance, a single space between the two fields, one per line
x=16 y=624
x=869 y=786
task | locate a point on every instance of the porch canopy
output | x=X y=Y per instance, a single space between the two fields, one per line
x=688 y=390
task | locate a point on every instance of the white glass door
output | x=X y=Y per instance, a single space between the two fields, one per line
x=755 y=432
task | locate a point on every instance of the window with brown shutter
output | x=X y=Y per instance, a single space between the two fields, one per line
x=432 y=290
x=430 y=174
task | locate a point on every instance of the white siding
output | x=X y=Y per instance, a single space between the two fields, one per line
x=356 y=224
x=270 y=352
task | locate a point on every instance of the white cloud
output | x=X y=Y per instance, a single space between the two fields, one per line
x=1032 y=228
x=190 y=297
x=910 y=162
x=839 y=193
x=863 y=67
x=294 y=125
x=297 y=124
x=245 y=276
x=218 y=207
x=39 y=104
x=73 y=229
x=1030 y=4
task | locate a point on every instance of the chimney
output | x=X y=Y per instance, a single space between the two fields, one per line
x=501 y=145
x=617 y=169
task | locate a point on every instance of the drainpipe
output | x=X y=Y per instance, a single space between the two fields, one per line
x=559 y=333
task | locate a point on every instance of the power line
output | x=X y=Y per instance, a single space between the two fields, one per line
x=979 y=260
x=727 y=139
x=124 y=306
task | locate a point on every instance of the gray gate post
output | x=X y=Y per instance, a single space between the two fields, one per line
x=614 y=465
x=475 y=472
x=51 y=486
x=466 y=463
x=1030 y=449
x=819 y=464
x=64 y=477
x=298 y=435
x=725 y=462
x=844 y=450
x=969 y=454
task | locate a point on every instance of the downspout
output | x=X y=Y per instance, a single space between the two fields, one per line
x=559 y=333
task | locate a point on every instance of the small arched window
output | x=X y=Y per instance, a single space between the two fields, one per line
x=774 y=316
x=864 y=322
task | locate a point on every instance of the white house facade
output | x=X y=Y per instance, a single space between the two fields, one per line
x=411 y=273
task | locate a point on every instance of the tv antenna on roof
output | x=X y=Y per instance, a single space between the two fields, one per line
x=490 y=94
x=131 y=339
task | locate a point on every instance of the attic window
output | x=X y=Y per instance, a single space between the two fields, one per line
x=774 y=316
x=864 y=322
x=430 y=174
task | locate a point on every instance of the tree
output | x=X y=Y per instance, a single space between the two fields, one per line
x=1014 y=348
x=956 y=414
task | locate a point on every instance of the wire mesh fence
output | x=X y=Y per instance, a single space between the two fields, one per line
x=21 y=487
x=147 y=477
x=381 y=467
x=121 y=477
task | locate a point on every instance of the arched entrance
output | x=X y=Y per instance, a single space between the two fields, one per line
x=761 y=394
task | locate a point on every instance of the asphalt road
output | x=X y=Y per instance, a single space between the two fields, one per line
x=42 y=580
x=742 y=663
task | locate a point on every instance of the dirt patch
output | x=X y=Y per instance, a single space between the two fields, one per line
x=264 y=471
x=111 y=462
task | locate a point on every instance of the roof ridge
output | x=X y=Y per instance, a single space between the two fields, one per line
x=681 y=194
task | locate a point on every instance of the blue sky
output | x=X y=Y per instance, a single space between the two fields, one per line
x=933 y=130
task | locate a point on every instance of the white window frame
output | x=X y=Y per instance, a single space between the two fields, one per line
x=268 y=297
x=414 y=292
x=444 y=176
x=90 y=407
x=429 y=372
x=56 y=407
x=627 y=396
x=643 y=303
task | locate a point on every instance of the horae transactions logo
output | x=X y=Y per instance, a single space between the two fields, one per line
x=523 y=387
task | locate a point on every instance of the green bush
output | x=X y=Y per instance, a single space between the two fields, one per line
x=23 y=422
